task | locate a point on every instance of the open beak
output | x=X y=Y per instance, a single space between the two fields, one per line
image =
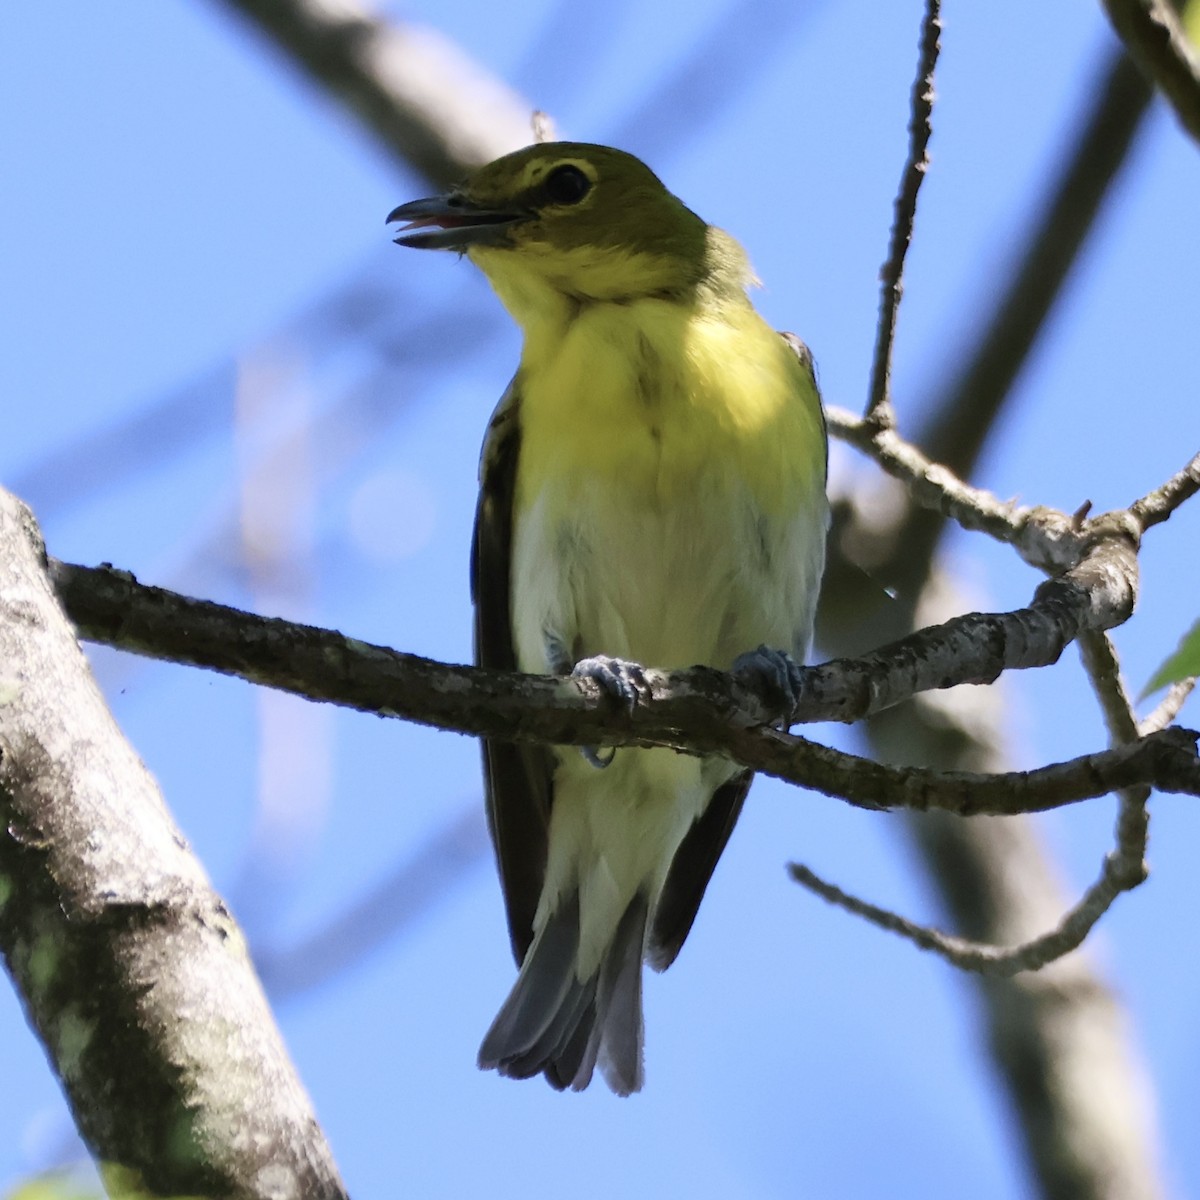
x=449 y=223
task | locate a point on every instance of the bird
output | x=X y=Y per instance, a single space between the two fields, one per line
x=652 y=493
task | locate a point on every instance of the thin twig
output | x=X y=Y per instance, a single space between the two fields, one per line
x=1165 y=760
x=1104 y=670
x=1156 y=506
x=979 y=957
x=879 y=404
x=1127 y=862
x=930 y=484
x=1045 y=537
x=1168 y=708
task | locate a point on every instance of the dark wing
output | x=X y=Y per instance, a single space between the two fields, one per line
x=516 y=778
x=691 y=869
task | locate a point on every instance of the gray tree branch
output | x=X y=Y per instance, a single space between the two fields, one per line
x=129 y=965
x=425 y=101
x=700 y=710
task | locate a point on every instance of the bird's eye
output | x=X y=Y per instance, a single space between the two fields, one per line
x=567 y=185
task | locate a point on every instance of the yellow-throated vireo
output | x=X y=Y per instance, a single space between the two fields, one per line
x=652 y=492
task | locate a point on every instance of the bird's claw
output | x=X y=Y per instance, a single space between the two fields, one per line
x=774 y=672
x=623 y=681
x=598 y=758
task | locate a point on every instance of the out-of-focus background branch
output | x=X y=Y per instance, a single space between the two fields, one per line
x=736 y=94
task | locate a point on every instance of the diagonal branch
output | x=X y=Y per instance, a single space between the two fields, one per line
x=1045 y=537
x=1168 y=708
x=425 y=101
x=1122 y=870
x=1156 y=506
x=112 y=932
x=1057 y=1036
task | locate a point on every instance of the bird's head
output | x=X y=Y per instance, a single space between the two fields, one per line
x=572 y=220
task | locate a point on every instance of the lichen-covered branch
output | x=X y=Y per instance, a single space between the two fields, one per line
x=1156 y=506
x=128 y=964
x=1058 y=1036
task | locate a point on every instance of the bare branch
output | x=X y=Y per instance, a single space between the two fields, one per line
x=111 y=607
x=981 y=958
x=1159 y=45
x=930 y=484
x=419 y=94
x=1128 y=860
x=1166 y=760
x=1122 y=870
x=111 y=931
x=1097 y=593
x=1100 y=660
x=1045 y=537
x=1156 y=506
x=699 y=711
x=879 y=403
x=1058 y=1036
x=1168 y=708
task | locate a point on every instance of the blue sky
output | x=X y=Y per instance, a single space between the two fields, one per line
x=179 y=209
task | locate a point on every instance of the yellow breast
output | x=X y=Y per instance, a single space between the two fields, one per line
x=670 y=502
x=650 y=395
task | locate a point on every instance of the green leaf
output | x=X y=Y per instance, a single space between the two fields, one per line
x=1183 y=664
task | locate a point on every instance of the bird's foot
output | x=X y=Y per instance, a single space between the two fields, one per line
x=623 y=681
x=774 y=673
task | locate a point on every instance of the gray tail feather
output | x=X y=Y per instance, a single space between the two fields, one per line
x=619 y=1003
x=555 y=1023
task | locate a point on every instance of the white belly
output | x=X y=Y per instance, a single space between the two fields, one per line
x=667 y=585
